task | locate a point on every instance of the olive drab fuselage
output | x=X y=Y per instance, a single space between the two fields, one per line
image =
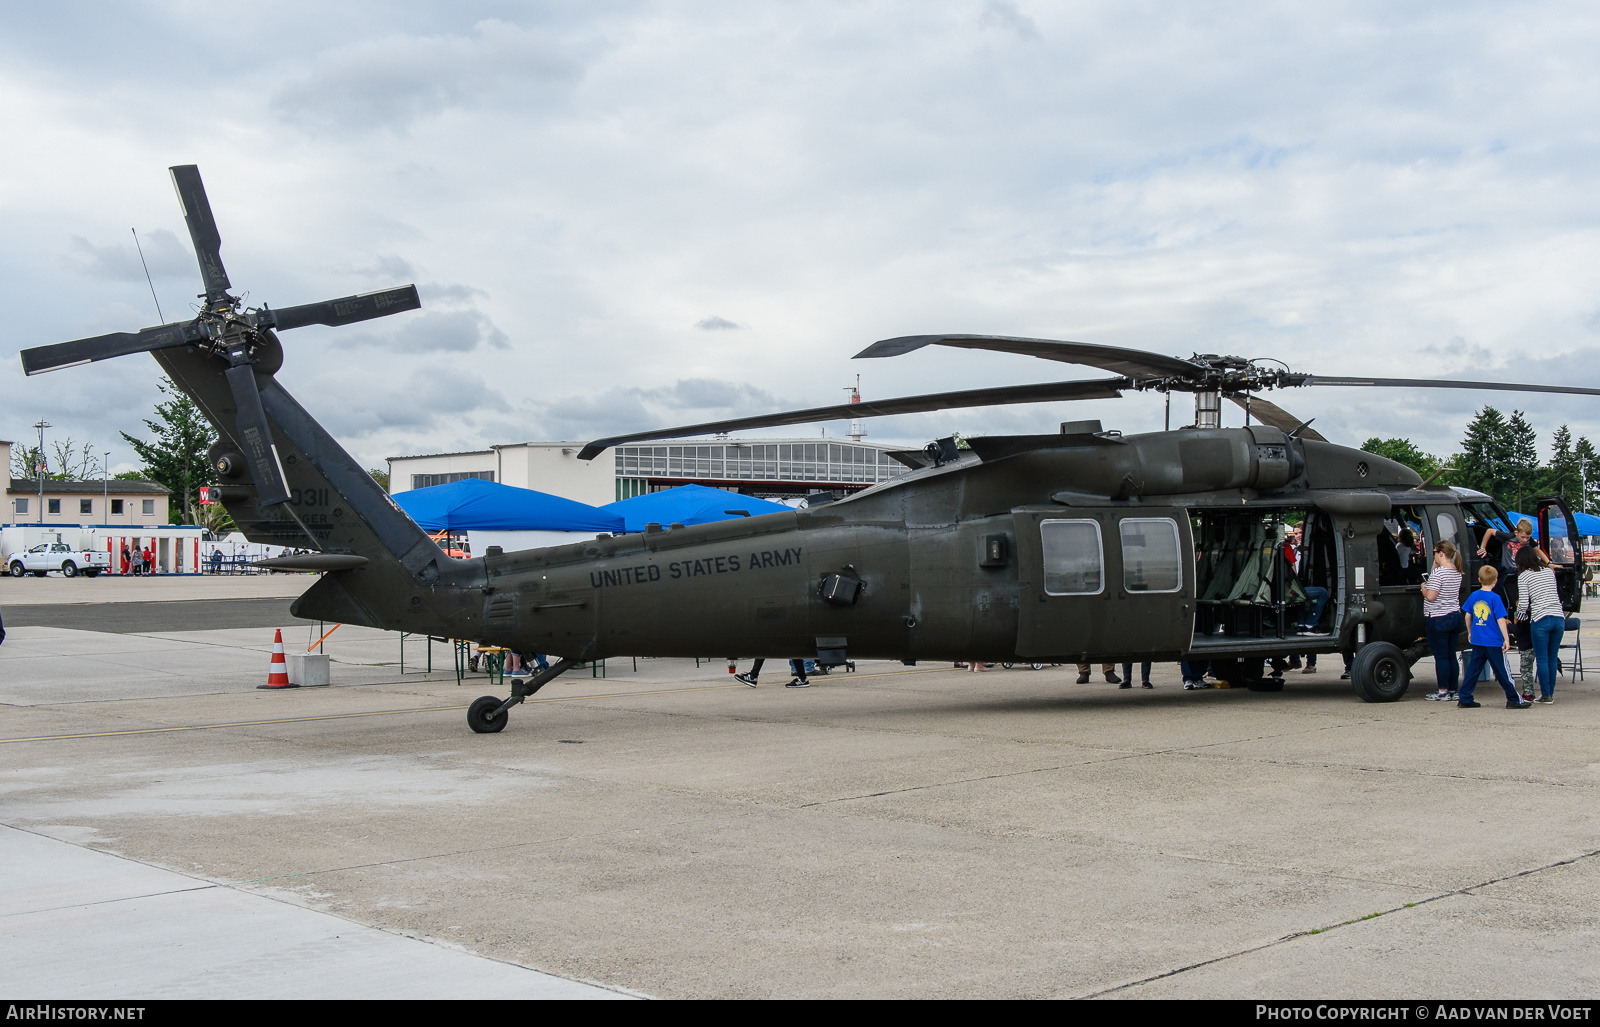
x=1063 y=547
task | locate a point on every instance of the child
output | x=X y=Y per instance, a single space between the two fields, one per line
x=1486 y=622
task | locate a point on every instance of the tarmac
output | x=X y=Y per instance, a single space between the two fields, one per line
x=171 y=830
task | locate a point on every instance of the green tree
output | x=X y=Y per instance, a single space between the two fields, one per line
x=25 y=463
x=1486 y=461
x=1561 y=478
x=70 y=460
x=381 y=477
x=1588 y=461
x=1525 y=472
x=176 y=455
x=1404 y=451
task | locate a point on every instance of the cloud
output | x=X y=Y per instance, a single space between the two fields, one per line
x=433 y=331
x=1002 y=14
x=392 y=81
x=388 y=267
x=717 y=324
x=637 y=409
x=119 y=262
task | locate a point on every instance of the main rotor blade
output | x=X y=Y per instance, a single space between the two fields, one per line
x=1272 y=414
x=1135 y=363
x=255 y=437
x=349 y=309
x=1107 y=388
x=1444 y=383
x=102 y=347
x=202 y=228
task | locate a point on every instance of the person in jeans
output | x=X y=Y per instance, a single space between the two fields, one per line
x=1491 y=640
x=1144 y=675
x=1539 y=603
x=1441 y=611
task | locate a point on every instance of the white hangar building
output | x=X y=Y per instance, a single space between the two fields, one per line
x=768 y=468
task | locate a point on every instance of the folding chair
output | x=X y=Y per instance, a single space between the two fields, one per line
x=1575 y=668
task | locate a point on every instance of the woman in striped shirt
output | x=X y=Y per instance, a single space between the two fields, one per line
x=1441 y=609
x=1539 y=602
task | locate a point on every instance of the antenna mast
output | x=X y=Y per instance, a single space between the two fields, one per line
x=857 y=433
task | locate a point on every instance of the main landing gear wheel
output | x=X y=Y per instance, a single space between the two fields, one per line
x=480 y=715
x=1380 y=672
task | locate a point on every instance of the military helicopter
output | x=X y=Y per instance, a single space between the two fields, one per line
x=1082 y=545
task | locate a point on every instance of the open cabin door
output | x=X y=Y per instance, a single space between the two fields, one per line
x=1559 y=538
x=1102 y=584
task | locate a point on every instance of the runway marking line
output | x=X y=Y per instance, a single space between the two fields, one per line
x=391 y=713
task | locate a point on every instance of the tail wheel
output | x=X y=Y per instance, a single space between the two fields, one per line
x=1380 y=672
x=479 y=715
x=69 y=570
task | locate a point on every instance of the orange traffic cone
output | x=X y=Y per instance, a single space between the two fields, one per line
x=278 y=675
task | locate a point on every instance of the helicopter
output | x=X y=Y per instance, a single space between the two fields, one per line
x=1082 y=545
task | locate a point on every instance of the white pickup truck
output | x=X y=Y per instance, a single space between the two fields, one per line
x=58 y=556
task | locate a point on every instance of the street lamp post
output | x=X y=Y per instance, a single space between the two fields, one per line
x=38 y=466
x=105 y=487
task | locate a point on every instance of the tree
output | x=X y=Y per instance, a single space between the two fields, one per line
x=25 y=463
x=381 y=477
x=1524 y=470
x=1403 y=451
x=72 y=462
x=1562 y=477
x=1486 y=461
x=176 y=456
x=1589 y=463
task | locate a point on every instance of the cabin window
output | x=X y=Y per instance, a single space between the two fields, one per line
x=1150 y=555
x=1074 y=563
x=1447 y=527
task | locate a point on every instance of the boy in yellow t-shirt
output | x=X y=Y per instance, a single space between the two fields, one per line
x=1486 y=626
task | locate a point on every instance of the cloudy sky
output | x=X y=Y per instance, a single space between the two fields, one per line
x=622 y=215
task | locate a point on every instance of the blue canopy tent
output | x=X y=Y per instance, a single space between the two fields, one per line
x=1588 y=524
x=478 y=505
x=687 y=504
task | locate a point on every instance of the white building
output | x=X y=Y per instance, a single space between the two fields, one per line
x=774 y=468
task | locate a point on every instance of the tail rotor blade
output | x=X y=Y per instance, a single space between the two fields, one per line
x=202 y=229
x=349 y=309
x=103 y=347
x=255 y=438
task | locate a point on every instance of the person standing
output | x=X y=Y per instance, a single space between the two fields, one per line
x=147 y=559
x=1491 y=640
x=1108 y=669
x=1539 y=604
x=1144 y=675
x=126 y=559
x=1441 y=611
